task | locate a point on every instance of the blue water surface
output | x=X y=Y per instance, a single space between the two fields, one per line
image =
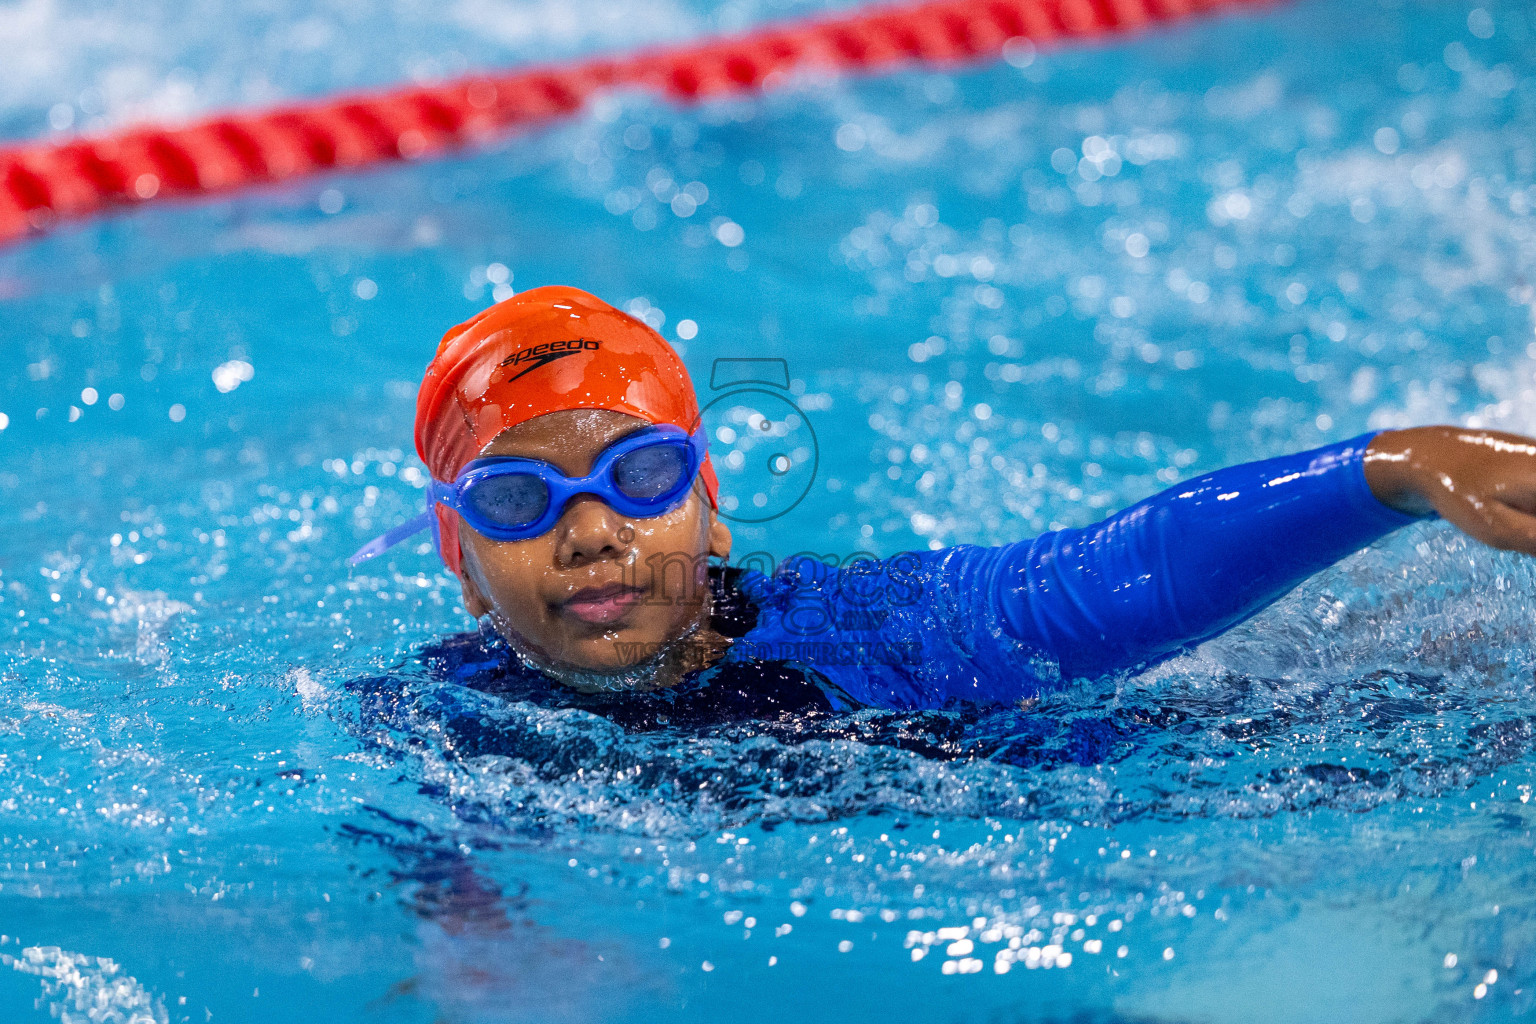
x=1009 y=297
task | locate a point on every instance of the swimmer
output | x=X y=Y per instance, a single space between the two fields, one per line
x=572 y=494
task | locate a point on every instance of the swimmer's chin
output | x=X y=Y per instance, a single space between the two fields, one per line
x=650 y=670
x=648 y=674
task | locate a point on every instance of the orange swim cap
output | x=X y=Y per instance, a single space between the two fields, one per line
x=544 y=350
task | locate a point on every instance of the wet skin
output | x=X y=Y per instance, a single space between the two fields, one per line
x=598 y=586
x=1483 y=482
x=586 y=596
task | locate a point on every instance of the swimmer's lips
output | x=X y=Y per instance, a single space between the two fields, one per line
x=601 y=606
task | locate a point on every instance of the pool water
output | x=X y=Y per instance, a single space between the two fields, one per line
x=1008 y=298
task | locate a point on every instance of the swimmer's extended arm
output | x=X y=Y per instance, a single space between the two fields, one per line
x=1187 y=564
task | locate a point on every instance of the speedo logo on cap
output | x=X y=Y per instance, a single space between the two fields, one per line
x=545 y=353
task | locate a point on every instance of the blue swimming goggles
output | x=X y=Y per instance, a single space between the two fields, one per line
x=641 y=475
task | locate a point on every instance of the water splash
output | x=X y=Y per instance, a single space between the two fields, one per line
x=81 y=989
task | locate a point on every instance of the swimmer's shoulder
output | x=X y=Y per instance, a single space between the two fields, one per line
x=478 y=659
x=462 y=656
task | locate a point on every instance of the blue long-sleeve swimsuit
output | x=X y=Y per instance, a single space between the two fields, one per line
x=999 y=624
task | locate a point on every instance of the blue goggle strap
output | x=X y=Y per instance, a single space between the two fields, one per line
x=410 y=528
x=389 y=539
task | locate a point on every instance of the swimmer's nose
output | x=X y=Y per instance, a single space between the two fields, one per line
x=589 y=531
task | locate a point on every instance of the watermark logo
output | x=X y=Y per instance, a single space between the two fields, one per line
x=761 y=443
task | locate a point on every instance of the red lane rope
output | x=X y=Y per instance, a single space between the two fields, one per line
x=41 y=184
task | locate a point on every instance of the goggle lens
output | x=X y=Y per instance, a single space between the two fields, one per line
x=648 y=473
x=511 y=500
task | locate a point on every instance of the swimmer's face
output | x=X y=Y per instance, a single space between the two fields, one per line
x=599 y=591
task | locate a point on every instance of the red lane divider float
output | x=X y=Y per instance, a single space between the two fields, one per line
x=43 y=183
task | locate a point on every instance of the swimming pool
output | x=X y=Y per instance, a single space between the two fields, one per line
x=1009 y=297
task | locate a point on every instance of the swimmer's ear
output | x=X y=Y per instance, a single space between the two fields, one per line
x=719 y=536
x=474 y=601
x=719 y=533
